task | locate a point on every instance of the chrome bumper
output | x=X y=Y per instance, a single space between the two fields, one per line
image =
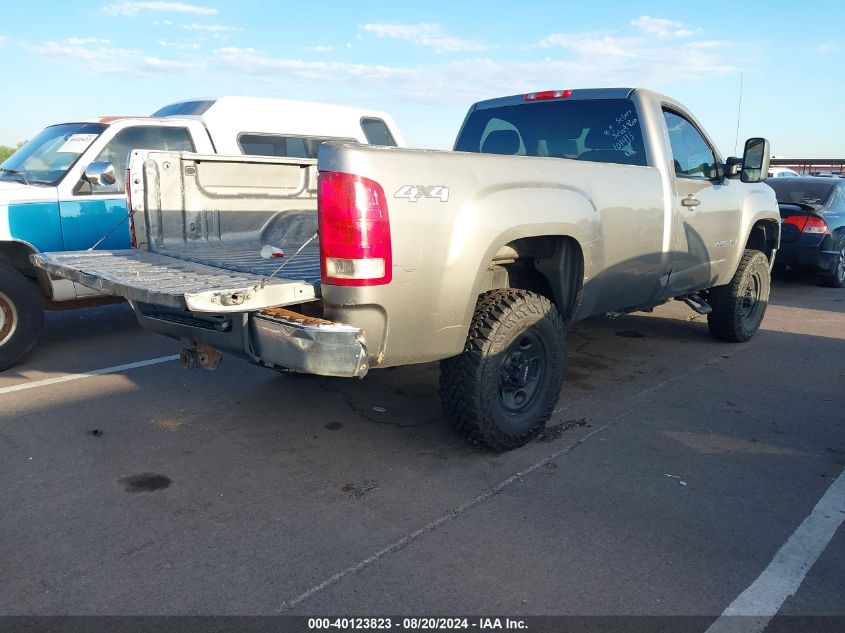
x=274 y=338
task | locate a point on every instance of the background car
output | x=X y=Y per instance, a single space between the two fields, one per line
x=782 y=172
x=813 y=226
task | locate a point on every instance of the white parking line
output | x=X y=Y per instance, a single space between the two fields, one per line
x=88 y=374
x=781 y=579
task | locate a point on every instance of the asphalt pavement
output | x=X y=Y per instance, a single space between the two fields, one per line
x=672 y=474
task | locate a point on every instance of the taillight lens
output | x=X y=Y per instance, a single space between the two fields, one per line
x=808 y=224
x=354 y=230
x=132 y=239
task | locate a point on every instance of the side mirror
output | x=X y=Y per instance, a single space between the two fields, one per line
x=755 y=160
x=100 y=173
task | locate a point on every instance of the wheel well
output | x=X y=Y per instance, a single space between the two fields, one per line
x=550 y=265
x=764 y=237
x=16 y=255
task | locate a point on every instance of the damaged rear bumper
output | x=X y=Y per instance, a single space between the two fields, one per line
x=275 y=338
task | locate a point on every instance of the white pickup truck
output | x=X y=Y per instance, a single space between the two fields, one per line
x=64 y=189
x=557 y=206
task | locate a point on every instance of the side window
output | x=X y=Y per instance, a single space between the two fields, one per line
x=175 y=139
x=377 y=132
x=273 y=145
x=692 y=155
x=259 y=145
x=297 y=148
x=253 y=144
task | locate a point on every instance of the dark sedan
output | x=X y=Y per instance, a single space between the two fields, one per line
x=812 y=212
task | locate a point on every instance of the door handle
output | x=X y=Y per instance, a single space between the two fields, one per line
x=690 y=201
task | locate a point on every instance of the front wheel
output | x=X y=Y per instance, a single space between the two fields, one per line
x=21 y=316
x=502 y=389
x=738 y=308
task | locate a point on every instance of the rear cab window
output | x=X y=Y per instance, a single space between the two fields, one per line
x=376 y=132
x=284 y=145
x=597 y=130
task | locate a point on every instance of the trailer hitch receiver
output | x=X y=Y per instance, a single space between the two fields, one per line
x=200 y=355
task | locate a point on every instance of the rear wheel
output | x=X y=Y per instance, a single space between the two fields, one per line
x=21 y=316
x=502 y=389
x=837 y=279
x=739 y=307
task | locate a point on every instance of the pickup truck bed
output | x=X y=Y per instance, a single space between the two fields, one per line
x=207 y=278
x=201 y=249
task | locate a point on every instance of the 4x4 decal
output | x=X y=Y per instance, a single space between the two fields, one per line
x=415 y=192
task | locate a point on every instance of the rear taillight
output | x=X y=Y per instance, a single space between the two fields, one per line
x=808 y=224
x=132 y=240
x=354 y=231
x=547 y=94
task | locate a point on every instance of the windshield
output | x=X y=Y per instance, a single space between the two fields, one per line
x=793 y=191
x=45 y=159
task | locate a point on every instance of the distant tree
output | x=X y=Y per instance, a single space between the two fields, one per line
x=6 y=151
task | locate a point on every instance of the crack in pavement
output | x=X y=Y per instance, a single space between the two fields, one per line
x=364 y=413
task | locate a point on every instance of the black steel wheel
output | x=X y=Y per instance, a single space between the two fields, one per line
x=739 y=307
x=502 y=389
x=523 y=372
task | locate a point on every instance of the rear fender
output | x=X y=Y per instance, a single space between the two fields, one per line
x=543 y=219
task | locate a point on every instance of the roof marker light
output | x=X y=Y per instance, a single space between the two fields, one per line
x=548 y=94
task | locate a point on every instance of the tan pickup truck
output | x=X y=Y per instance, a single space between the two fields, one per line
x=554 y=206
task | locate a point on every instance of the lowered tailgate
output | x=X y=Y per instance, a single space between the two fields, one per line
x=241 y=282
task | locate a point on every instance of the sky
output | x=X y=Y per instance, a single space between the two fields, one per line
x=427 y=62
